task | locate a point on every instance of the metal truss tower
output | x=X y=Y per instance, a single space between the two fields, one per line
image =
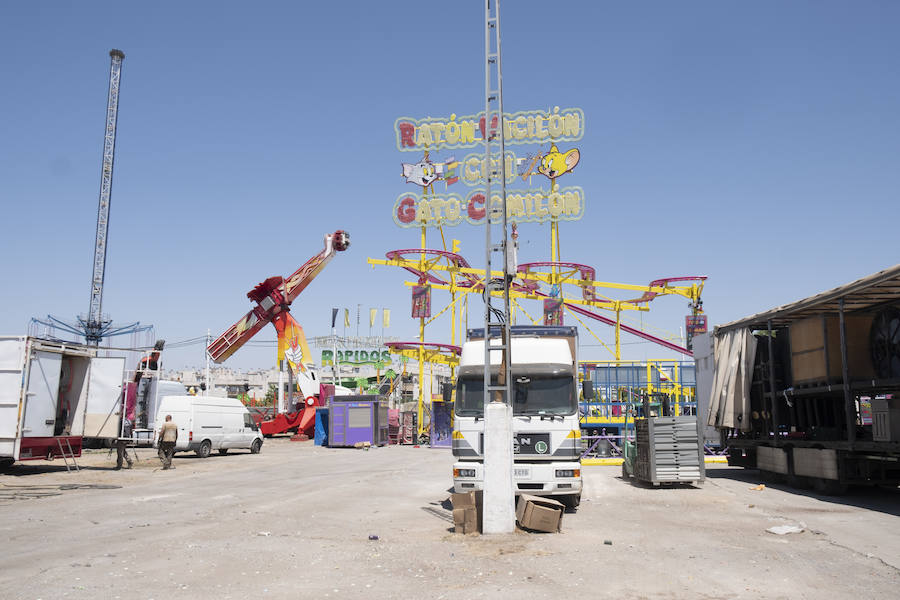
x=94 y=324
x=499 y=508
x=496 y=320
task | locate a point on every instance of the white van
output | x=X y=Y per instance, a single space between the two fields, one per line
x=156 y=391
x=207 y=423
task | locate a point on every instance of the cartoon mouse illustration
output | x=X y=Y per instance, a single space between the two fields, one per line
x=556 y=163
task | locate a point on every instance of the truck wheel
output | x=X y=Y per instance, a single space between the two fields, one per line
x=256 y=446
x=829 y=487
x=223 y=451
x=204 y=449
x=570 y=501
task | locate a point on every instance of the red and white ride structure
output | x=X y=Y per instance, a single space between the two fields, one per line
x=273 y=298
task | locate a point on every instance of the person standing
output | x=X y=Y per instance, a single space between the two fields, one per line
x=122 y=446
x=168 y=435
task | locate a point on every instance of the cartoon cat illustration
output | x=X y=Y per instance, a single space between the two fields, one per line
x=422 y=173
x=556 y=163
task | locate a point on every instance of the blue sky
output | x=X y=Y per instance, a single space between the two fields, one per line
x=755 y=143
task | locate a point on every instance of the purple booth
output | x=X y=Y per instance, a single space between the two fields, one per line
x=355 y=419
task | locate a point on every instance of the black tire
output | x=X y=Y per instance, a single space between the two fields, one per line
x=223 y=451
x=829 y=487
x=6 y=463
x=256 y=446
x=571 y=501
x=204 y=449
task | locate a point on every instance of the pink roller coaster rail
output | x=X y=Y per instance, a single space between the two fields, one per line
x=530 y=286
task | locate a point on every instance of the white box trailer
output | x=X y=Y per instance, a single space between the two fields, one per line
x=53 y=396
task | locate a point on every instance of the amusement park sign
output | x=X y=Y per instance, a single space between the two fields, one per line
x=414 y=210
x=433 y=135
x=526 y=127
x=357 y=357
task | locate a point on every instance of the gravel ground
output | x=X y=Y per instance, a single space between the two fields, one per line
x=295 y=522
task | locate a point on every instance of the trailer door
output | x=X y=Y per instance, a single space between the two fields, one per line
x=42 y=395
x=12 y=361
x=101 y=414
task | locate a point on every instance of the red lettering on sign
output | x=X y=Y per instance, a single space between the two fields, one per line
x=493 y=127
x=475 y=213
x=407 y=134
x=406 y=210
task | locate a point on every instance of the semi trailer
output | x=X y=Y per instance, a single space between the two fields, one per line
x=809 y=392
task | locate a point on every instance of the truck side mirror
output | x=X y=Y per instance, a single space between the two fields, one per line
x=587 y=388
x=447 y=392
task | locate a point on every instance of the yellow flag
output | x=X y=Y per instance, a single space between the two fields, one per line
x=386 y=317
x=372 y=312
x=346 y=317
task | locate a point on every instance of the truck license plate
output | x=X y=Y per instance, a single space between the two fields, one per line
x=522 y=473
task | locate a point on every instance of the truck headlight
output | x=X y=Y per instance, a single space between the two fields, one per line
x=464 y=472
x=568 y=472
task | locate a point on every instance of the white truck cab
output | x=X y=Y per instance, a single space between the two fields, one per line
x=546 y=431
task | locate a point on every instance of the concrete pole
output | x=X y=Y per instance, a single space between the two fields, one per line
x=499 y=514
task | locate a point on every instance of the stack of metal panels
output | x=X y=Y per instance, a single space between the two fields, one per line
x=668 y=450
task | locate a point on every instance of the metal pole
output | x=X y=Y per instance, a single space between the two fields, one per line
x=208 y=342
x=279 y=401
x=849 y=404
x=333 y=349
x=771 y=367
x=825 y=346
x=487 y=206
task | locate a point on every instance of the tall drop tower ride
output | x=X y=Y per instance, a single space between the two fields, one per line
x=94 y=326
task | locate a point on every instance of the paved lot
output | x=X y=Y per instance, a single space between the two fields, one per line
x=295 y=520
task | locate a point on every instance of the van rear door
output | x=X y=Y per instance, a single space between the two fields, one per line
x=12 y=361
x=41 y=397
x=101 y=415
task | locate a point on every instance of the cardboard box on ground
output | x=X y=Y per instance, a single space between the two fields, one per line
x=467 y=512
x=539 y=514
x=532 y=512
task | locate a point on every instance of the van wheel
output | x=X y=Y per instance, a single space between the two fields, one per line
x=204 y=449
x=256 y=446
x=223 y=451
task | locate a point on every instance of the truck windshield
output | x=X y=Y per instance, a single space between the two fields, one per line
x=544 y=395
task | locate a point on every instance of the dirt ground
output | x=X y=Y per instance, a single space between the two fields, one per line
x=296 y=520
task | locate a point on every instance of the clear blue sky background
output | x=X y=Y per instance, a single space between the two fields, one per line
x=756 y=143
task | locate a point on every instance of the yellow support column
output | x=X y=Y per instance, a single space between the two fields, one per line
x=421 y=401
x=618 y=331
x=677 y=388
x=454 y=246
x=554 y=240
